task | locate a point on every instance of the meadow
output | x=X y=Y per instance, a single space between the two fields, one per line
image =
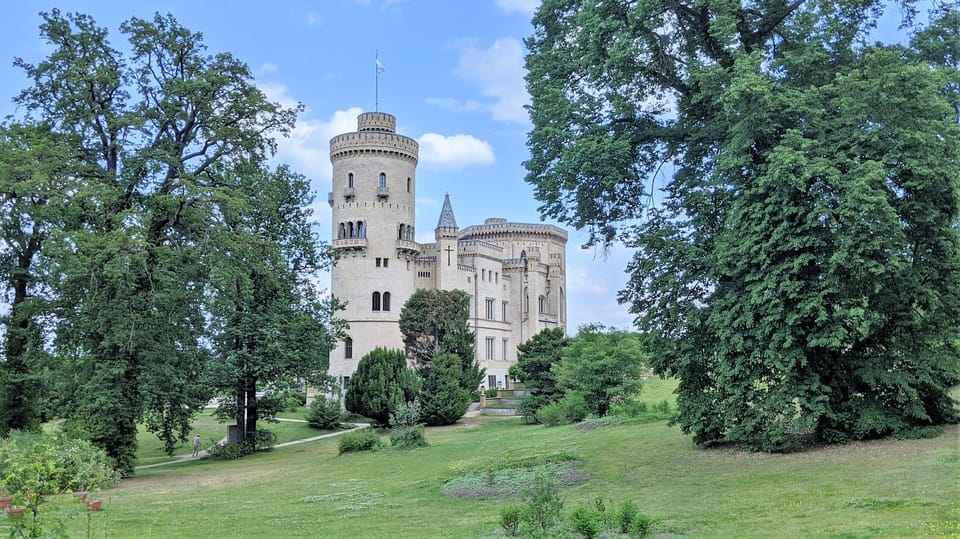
x=884 y=488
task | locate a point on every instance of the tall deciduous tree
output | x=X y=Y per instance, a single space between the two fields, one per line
x=800 y=265
x=34 y=164
x=151 y=129
x=534 y=367
x=602 y=365
x=270 y=327
x=437 y=321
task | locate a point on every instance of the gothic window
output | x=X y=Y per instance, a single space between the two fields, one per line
x=350 y=180
x=386 y=301
x=361 y=231
x=350 y=229
x=343 y=231
x=401 y=233
x=409 y=184
x=376 y=301
x=348 y=348
x=383 y=180
x=542 y=304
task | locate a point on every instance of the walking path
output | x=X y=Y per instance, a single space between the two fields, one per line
x=203 y=454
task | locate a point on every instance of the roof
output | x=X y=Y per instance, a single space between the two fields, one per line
x=447 y=220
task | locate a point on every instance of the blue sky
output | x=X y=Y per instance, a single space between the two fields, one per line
x=453 y=78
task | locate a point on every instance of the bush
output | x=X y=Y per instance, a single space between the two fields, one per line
x=585 y=521
x=490 y=393
x=359 y=440
x=574 y=407
x=408 y=437
x=510 y=517
x=443 y=399
x=543 y=506
x=406 y=414
x=552 y=415
x=263 y=440
x=381 y=382
x=324 y=414
x=78 y=465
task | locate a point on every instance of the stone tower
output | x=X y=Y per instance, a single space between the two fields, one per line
x=373 y=213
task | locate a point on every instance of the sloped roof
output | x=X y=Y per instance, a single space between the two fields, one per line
x=447 y=220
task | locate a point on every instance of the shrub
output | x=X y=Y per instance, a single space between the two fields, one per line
x=408 y=437
x=324 y=414
x=263 y=440
x=642 y=525
x=359 y=440
x=490 y=393
x=585 y=521
x=406 y=414
x=574 y=407
x=552 y=415
x=381 y=382
x=543 y=506
x=78 y=465
x=443 y=399
x=629 y=408
x=510 y=517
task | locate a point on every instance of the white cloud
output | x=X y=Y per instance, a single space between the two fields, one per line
x=449 y=103
x=267 y=68
x=497 y=72
x=527 y=7
x=454 y=152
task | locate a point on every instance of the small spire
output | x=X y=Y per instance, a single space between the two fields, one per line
x=447 y=220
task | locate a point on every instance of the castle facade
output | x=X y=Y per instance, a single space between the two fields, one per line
x=515 y=273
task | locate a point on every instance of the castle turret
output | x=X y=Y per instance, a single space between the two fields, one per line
x=446 y=235
x=372 y=201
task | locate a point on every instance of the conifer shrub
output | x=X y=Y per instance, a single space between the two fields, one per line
x=324 y=414
x=359 y=440
x=381 y=382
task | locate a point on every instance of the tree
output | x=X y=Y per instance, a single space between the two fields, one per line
x=149 y=132
x=443 y=399
x=534 y=367
x=381 y=382
x=33 y=177
x=437 y=321
x=798 y=271
x=269 y=327
x=602 y=365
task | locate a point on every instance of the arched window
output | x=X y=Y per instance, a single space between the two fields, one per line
x=542 y=304
x=350 y=230
x=383 y=180
x=343 y=231
x=348 y=348
x=386 y=301
x=376 y=301
x=409 y=184
x=401 y=233
x=350 y=180
x=410 y=233
x=361 y=231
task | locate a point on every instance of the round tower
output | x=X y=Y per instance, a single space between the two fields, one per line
x=374 y=179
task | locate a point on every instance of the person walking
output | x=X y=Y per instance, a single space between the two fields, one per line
x=196 y=446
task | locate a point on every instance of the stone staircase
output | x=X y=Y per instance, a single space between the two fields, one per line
x=505 y=403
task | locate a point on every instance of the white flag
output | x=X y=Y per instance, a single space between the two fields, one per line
x=379 y=67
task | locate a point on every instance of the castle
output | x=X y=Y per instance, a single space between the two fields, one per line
x=515 y=273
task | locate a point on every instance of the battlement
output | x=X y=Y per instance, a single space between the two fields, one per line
x=496 y=227
x=377 y=121
x=373 y=143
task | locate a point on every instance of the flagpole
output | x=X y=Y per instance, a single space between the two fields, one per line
x=376 y=94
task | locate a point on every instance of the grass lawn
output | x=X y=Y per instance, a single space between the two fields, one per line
x=885 y=488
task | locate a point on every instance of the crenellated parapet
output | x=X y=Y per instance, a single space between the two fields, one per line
x=374 y=143
x=500 y=228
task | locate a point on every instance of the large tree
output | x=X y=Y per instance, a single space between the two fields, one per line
x=534 y=367
x=270 y=328
x=602 y=365
x=798 y=263
x=150 y=130
x=34 y=164
x=438 y=321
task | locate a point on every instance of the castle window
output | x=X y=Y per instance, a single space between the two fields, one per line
x=506 y=309
x=350 y=230
x=506 y=347
x=386 y=262
x=343 y=231
x=350 y=180
x=483 y=275
x=348 y=348
x=386 y=301
x=376 y=301
x=378 y=261
x=490 y=309
x=490 y=348
x=383 y=180
x=401 y=233
x=542 y=304
x=361 y=230
x=409 y=184
x=346 y=382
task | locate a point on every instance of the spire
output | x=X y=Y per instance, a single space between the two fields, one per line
x=447 y=220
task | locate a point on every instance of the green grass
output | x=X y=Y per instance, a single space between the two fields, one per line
x=886 y=488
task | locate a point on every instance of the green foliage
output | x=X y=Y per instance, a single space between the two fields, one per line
x=799 y=272
x=574 y=407
x=262 y=440
x=490 y=392
x=602 y=365
x=324 y=414
x=359 y=440
x=543 y=506
x=552 y=415
x=510 y=517
x=586 y=521
x=381 y=382
x=534 y=367
x=408 y=437
x=406 y=414
x=434 y=321
x=443 y=399
x=34 y=464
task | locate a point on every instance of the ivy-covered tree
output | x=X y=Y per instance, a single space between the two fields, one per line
x=149 y=130
x=34 y=164
x=534 y=367
x=443 y=399
x=792 y=190
x=270 y=328
x=437 y=321
x=381 y=382
x=602 y=365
